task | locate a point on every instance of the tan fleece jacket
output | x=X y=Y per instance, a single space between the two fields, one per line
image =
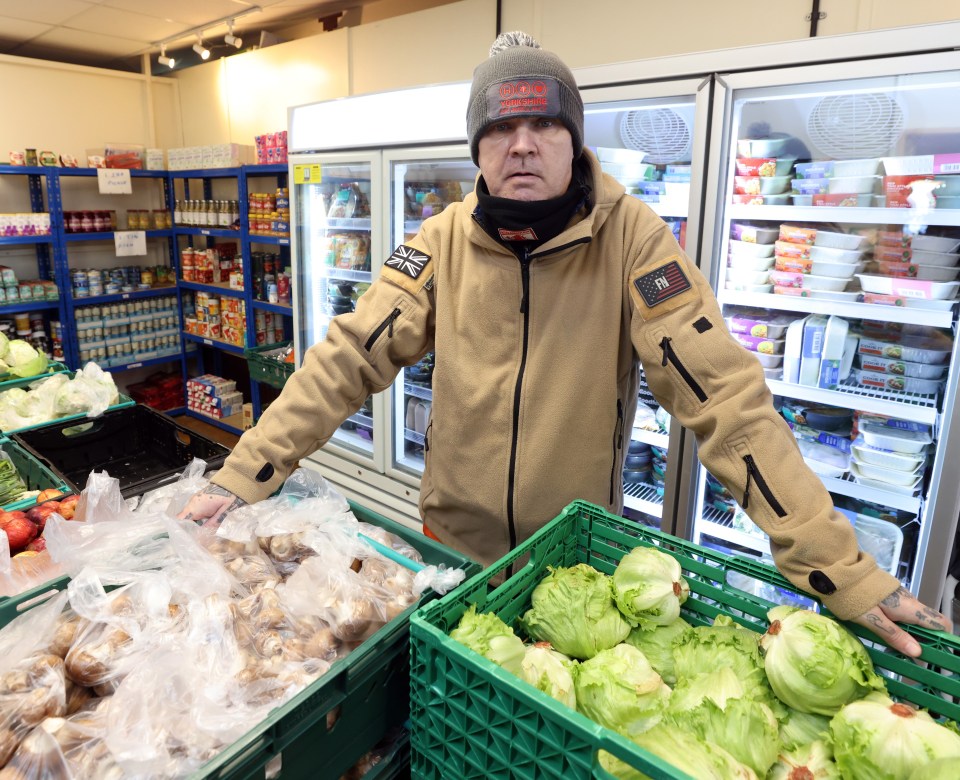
x=536 y=381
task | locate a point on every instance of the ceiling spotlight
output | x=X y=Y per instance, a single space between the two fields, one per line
x=200 y=49
x=230 y=39
x=163 y=59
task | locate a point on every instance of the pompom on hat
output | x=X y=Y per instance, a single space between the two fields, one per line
x=522 y=79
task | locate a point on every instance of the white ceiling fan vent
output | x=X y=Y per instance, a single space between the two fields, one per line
x=660 y=132
x=850 y=126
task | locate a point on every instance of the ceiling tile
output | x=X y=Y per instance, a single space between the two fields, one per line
x=188 y=13
x=48 y=11
x=17 y=30
x=123 y=24
x=77 y=40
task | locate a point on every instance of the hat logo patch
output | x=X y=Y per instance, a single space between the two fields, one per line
x=524 y=96
x=408 y=260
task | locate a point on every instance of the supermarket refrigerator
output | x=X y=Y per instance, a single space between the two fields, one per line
x=831 y=234
x=359 y=187
x=652 y=138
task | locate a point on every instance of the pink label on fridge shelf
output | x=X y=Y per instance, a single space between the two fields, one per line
x=946 y=163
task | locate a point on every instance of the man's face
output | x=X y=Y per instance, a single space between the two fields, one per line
x=526 y=158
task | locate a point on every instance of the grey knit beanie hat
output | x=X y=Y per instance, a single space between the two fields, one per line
x=521 y=79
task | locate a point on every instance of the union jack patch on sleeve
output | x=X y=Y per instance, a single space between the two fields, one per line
x=408 y=260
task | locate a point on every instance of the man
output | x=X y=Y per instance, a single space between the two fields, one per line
x=539 y=293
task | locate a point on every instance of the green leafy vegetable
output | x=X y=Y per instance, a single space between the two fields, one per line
x=24 y=360
x=812 y=761
x=801 y=728
x=487 y=634
x=876 y=737
x=937 y=770
x=618 y=689
x=549 y=671
x=573 y=609
x=813 y=663
x=657 y=645
x=649 y=588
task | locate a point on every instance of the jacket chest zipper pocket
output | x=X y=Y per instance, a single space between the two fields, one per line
x=617 y=446
x=754 y=476
x=669 y=356
x=387 y=325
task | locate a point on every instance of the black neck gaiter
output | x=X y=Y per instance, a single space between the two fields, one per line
x=518 y=223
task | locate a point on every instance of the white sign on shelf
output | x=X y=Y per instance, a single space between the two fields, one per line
x=114 y=181
x=130 y=242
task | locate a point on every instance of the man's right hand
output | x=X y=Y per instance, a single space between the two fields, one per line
x=208 y=506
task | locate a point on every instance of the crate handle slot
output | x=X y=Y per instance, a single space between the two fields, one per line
x=82 y=429
x=183 y=437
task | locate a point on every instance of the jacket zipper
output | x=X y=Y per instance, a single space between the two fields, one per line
x=387 y=323
x=617 y=444
x=753 y=473
x=670 y=355
x=511 y=477
x=426 y=437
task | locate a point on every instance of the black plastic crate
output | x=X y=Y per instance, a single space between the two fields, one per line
x=137 y=445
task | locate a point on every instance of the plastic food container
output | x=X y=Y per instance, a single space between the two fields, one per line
x=935 y=243
x=755 y=234
x=848 y=241
x=829 y=254
x=932 y=350
x=802 y=200
x=770 y=361
x=766 y=346
x=791 y=249
x=809 y=186
x=815 y=170
x=882 y=539
x=887 y=459
x=891 y=476
x=838 y=270
x=795 y=234
x=888 y=437
x=850 y=199
x=616 y=154
x=752 y=288
x=948 y=202
x=942 y=259
x=748 y=263
x=771 y=146
x=761 y=185
x=936 y=273
x=748 y=277
x=752 y=249
x=760 y=200
x=910 y=165
x=773 y=373
x=861 y=479
x=908 y=288
x=863 y=167
x=903 y=384
x=902 y=367
x=763 y=166
x=808 y=281
x=756 y=326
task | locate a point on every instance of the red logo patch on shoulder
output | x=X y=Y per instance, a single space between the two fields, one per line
x=662 y=284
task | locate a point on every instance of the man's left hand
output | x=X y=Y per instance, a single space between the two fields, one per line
x=903 y=607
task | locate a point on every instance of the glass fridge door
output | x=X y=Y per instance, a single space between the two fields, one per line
x=651 y=138
x=421 y=183
x=833 y=245
x=335 y=201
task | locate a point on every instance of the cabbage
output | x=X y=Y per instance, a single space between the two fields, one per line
x=487 y=634
x=549 y=671
x=813 y=663
x=618 y=689
x=718 y=686
x=801 y=728
x=699 y=760
x=572 y=609
x=657 y=645
x=649 y=588
x=812 y=761
x=876 y=737
x=746 y=729
x=24 y=360
x=937 y=770
x=725 y=643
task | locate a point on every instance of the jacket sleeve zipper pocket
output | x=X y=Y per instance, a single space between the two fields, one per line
x=385 y=325
x=617 y=445
x=671 y=356
x=753 y=474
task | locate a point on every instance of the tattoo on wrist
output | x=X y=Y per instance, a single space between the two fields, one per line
x=894 y=599
x=215 y=490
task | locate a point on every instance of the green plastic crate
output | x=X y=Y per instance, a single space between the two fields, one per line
x=266 y=369
x=472 y=719
x=370 y=688
x=35 y=475
x=8 y=380
x=122 y=402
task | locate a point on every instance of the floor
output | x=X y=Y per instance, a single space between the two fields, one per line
x=219 y=435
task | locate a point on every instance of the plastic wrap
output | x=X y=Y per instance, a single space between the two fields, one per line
x=90 y=392
x=171 y=498
x=22 y=572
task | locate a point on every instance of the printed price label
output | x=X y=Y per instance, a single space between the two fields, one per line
x=134 y=365
x=304 y=173
x=114 y=181
x=130 y=242
x=208 y=342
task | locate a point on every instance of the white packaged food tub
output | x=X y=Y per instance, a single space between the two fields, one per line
x=887 y=459
x=773 y=327
x=908 y=288
x=936 y=273
x=848 y=241
x=887 y=437
x=935 y=243
x=903 y=490
x=849 y=256
x=858 y=184
x=748 y=263
x=751 y=249
x=902 y=367
x=752 y=288
x=755 y=234
x=771 y=146
x=892 y=476
x=741 y=276
x=881 y=539
x=917 y=349
x=863 y=167
x=835 y=270
x=762 y=344
x=941 y=259
x=904 y=384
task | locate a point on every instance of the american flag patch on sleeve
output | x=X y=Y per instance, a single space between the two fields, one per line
x=662 y=283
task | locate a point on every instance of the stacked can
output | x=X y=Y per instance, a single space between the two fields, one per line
x=234 y=320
